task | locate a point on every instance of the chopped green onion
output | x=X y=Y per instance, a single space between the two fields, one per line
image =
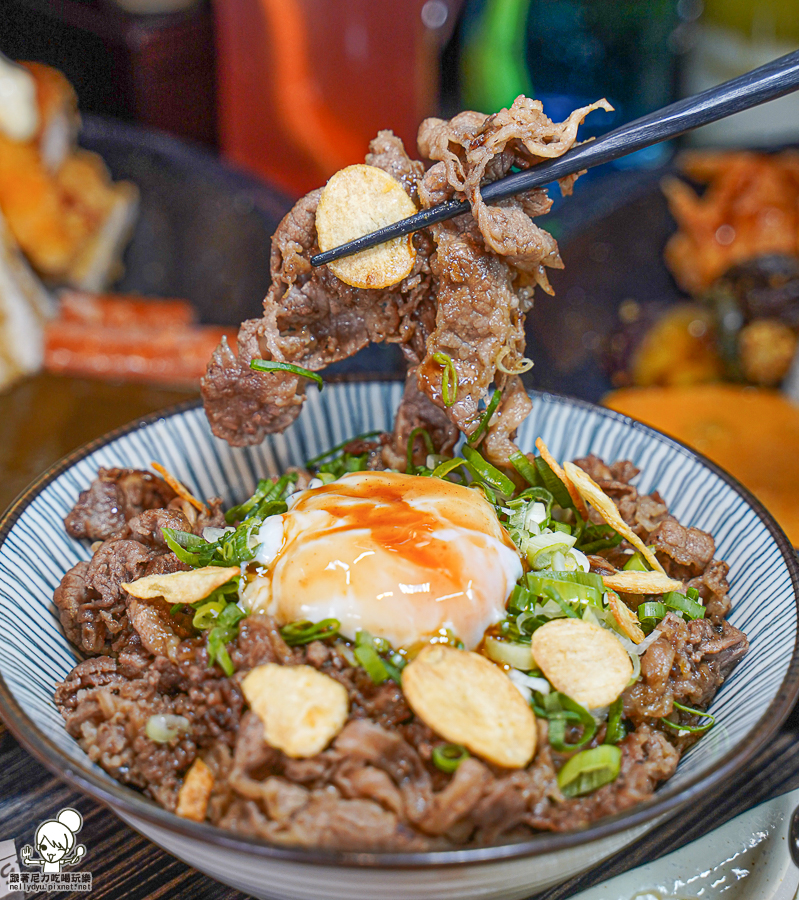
x=521 y=599
x=488 y=473
x=541 y=548
x=447 y=757
x=558 y=589
x=207 y=614
x=272 y=365
x=560 y=709
x=485 y=419
x=539 y=495
x=691 y=608
x=650 y=614
x=267 y=492
x=428 y=442
x=589 y=770
x=636 y=563
x=449 y=378
x=367 y=655
x=311 y=463
x=525 y=468
x=225 y=630
x=449 y=465
x=553 y=484
x=615 y=730
x=298 y=633
x=507 y=653
x=691 y=729
x=598 y=537
x=189 y=548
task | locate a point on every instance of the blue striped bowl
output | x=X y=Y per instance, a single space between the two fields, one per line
x=34 y=655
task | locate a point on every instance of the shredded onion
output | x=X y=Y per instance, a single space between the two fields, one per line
x=521 y=366
x=518 y=656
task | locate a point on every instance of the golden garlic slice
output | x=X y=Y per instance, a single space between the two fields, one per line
x=641 y=582
x=582 y=660
x=468 y=700
x=182 y=587
x=592 y=493
x=356 y=201
x=302 y=709
x=626 y=619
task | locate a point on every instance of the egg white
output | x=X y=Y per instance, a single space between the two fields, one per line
x=404 y=557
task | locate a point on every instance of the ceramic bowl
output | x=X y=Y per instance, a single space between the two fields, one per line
x=34 y=654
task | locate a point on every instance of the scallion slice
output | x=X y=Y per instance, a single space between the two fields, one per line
x=553 y=484
x=273 y=365
x=636 y=563
x=447 y=757
x=313 y=462
x=488 y=473
x=443 y=469
x=296 y=634
x=423 y=433
x=449 y=378
x=559 y=709
x=589 y=770
x=507 y=653
x=367 y=656
x=651 y=612
x=525 y=468
x=615 y=730
x=206 y=615
x=690 y=711
x=693 y=609
x=485 y=419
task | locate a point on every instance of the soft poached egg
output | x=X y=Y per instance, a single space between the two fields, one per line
x=403 y=557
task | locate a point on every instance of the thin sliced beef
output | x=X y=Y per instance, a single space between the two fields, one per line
x=311 y=319
x=467 y=295
x=688 y=662
x=114 y=497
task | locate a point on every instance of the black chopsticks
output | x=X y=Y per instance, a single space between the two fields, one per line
x=774 y=79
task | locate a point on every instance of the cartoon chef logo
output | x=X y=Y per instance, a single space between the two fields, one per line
x=55 y=842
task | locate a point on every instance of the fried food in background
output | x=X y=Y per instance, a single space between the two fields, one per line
x=24 y=309
x=752 y=433
x=125 y=337
x=70 y=220
x=750 y=208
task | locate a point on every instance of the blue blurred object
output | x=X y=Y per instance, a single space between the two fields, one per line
x=572 y=52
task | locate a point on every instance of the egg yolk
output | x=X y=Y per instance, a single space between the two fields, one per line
x=403 y=557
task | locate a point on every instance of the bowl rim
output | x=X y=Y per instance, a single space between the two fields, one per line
x=126 y=802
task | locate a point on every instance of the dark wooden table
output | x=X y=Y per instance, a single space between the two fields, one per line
x=44 y=418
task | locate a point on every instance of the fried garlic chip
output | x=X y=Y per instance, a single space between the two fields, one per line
x=179 y=488
x=641 y=582
x=582 y=660
x=470 y=701
x=182 y=587
x=357 y=201
x=553 y=464
x=195 y=792
x=302 y=709
x=625 y=618
x=592 y=493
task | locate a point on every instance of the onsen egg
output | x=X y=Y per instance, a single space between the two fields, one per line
x=400 y=556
